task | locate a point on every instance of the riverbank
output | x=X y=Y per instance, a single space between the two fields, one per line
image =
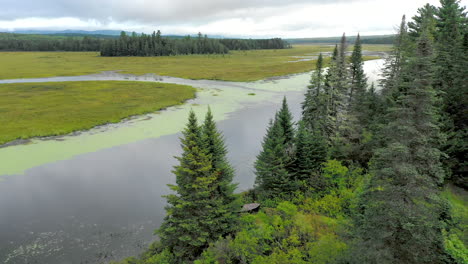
x=58 y=108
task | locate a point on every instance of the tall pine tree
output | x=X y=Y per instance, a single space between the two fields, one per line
x=451 y=79
x=394 y=63
x=353 y=131
x=311 y=153
x=337 y=81
x=358 y=77
x=274 y=165
x=285 y=120
x=426 y=17
x=194 y=208
x=216 y=149
x=400 y=223
x=315 y=107
x=273 y=179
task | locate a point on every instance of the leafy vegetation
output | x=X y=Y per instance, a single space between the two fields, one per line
x=249 y=65
x=455 y=237
x=307 y=229
x=47 y=109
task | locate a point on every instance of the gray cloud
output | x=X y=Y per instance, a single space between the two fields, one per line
x=247 y=18
x=146 y=11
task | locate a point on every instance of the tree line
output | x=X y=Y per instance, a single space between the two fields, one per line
x=20 y=42
x=136 y=44
x=156 y=45
x=358 y=179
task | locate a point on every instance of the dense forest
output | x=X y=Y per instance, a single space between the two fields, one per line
x=135 y=44
x=365 y=176
x=156 y=45
x=26 y=42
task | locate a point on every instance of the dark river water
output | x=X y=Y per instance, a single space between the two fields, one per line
x=101 y=205
x=105 y=205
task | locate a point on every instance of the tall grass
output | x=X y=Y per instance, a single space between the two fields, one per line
x=237 y=66
x=45 y=109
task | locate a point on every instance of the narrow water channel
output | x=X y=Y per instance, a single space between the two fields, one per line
x=95 y=196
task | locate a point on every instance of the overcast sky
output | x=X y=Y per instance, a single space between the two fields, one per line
x=247 y=18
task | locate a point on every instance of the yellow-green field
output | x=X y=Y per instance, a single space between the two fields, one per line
x=236 y=66
x=45 y=109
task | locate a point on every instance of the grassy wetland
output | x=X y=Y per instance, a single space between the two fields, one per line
x=253 y=132
x=46 y=109
x=249 y=65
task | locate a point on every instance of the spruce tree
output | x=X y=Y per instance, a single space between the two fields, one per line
x=342 y=85
x=311 y=153
x=451 y=25
x=317 y=80
x=451 y=79
x=426 y=17
x=349 y=145
x=338 y=81
x=358 y=77
x=394 y=63
x=216 y=149
x=333 y=59
x=315 y=107
x=400 y=223
x=369 y=118
x=285 y=120
x=193 y=210
x=332 y=94
x=314 y=88
x=271 y=167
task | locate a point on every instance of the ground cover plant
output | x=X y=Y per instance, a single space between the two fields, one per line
x=46 y=109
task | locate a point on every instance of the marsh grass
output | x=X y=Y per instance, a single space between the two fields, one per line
x=46 y=109
x=237 y=66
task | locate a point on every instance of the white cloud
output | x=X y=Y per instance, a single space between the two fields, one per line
x=252 y=18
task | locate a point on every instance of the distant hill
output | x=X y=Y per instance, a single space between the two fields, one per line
x=376 y=39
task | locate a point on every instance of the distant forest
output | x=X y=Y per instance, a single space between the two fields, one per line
x=156 y=45
x=135 y=44
x=28 y=42
x=378 y=39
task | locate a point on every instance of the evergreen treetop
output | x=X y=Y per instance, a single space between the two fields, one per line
x=201 y=208
x=401 y=222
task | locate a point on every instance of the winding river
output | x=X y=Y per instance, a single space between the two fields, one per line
x=95 y=196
